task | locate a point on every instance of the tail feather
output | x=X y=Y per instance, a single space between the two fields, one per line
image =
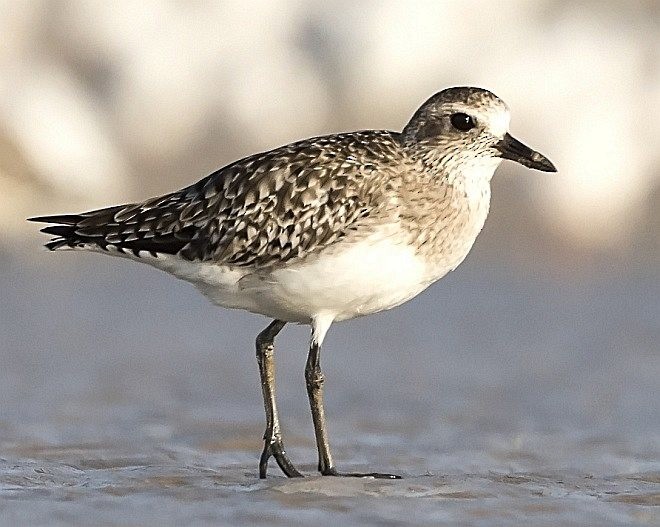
x=59 y=230
x=100 y=228
x=64 y=219
x=64 y=228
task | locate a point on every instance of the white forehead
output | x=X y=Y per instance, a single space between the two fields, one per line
x=492 y=114
x=497 y=120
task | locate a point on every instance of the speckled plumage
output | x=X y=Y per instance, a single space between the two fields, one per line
x=267 y=208
x=421 y=196
x=321 y=230
x=260 y=211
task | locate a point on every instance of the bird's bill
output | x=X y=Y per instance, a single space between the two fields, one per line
x=510 y=148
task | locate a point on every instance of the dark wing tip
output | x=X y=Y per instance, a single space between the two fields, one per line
x=63 y=228
x=70 y=230
x=56 y=244
x=63 y=219
x=59 y=230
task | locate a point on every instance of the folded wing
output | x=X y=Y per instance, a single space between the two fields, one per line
x=263 y=209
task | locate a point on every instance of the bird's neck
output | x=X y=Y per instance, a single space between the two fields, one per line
x=445 y=218
x=445 y=166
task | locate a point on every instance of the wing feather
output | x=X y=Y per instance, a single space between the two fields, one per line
x=261 y=210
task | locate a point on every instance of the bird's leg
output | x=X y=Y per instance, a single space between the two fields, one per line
x=273 y=444
x=315 y=380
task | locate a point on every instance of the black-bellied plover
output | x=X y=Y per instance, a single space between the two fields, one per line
x=321 y=230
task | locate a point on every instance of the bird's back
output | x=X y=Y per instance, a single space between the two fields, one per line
x=348 y=223
x=262 y=210
x=345 y=224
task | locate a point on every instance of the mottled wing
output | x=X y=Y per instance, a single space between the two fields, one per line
x=261 y=210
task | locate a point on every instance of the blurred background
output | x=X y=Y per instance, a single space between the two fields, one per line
x=547 y=335
x=109 y=102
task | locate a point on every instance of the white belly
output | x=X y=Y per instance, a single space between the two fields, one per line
x=358 y=279
x=347 y=281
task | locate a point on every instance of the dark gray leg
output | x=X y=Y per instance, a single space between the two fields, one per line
x=272 y=436
x=315 y=379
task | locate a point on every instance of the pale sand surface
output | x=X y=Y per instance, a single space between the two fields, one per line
x=503 y=397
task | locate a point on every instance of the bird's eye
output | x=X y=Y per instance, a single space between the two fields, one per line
x=462 y=122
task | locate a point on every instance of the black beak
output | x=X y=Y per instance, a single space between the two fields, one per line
x=511 y=148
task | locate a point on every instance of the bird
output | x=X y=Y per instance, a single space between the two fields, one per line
x=321 y=230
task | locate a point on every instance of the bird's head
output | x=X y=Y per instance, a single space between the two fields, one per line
x=467 y=127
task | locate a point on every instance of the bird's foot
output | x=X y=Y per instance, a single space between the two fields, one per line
x=332 y=471
x=275 y=448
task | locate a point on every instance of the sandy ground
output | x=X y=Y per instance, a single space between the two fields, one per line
x=503 y=397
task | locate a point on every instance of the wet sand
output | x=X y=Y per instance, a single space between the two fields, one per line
x=502 y=397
